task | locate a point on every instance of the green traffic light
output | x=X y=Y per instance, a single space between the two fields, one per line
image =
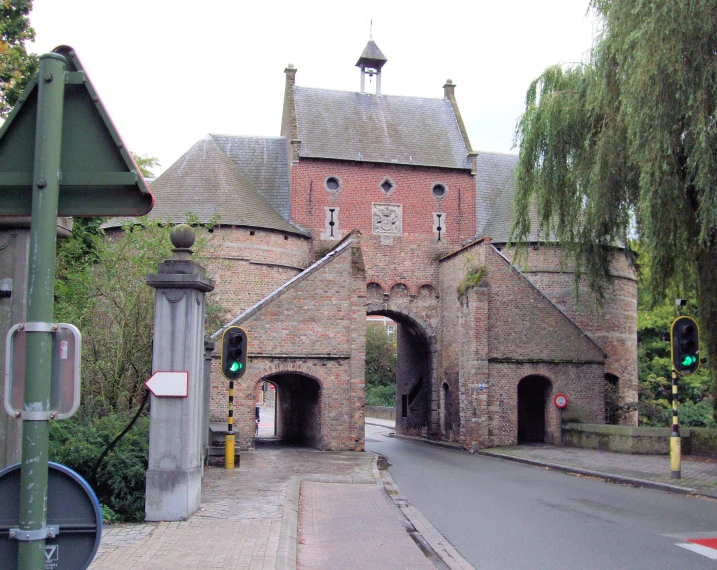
x=235 y=367
x=689 y=360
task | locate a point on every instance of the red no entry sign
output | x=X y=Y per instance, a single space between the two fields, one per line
x=560 y=400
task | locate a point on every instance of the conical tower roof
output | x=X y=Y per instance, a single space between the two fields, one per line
x=372 y=56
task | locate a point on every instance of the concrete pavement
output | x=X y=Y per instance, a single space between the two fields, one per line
x=285 y=508
x=699 y=475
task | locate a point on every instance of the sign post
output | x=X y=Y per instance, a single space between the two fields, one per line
x=41 y=288
x=59 y=154
x=560 y=401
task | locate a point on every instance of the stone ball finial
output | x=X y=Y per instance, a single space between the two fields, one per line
x=290 y=66
x=183 y=236
x=449 y=81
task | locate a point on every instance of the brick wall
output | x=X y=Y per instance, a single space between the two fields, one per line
x=313 y=333
x=504 y=330
x=249 y=263
x=411 y=258
x=612 y=325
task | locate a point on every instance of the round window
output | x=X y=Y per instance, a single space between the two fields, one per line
x=439 y=190
x=333 y=184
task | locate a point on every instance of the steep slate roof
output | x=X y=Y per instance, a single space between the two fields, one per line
x=390 y=129
x=495 y=191
x=263 y=161
x=372 y=55
x=206 y=182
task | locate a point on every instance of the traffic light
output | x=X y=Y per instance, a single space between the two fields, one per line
x=234 y=348
x=685 y=345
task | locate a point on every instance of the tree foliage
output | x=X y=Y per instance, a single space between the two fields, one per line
x=16 y=65
x=146 y=163
x=381 y=364
x=654 y=319
x=627 y=142
x=101 y=289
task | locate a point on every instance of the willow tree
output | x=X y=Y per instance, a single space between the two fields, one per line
x=627 y=143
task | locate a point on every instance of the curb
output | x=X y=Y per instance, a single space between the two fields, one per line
x=286 y=553
x=611 y=477
x=426 y=536
x=435 y=442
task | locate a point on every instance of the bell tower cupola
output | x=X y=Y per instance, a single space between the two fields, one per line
x=370 y=63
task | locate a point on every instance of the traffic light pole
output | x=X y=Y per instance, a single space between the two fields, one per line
x=675 y=441
x=32 y=530
x=229 y=439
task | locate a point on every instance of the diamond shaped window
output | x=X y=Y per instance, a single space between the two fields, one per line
x=387 y=185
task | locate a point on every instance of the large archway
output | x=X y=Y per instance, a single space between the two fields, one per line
x=414 y=374
x=296 y=413
x=533 y=398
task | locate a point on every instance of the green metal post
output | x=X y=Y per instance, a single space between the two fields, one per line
x=41 y=288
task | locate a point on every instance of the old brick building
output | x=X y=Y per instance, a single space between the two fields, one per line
x=373 y=204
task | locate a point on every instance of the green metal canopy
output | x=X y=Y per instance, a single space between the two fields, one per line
x=98 y=174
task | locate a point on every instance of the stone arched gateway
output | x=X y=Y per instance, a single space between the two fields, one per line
x=308 y=337
x=417 y=391
x=299 y=410
x=420 y=197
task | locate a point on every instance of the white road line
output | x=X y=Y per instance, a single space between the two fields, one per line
x=699 y=549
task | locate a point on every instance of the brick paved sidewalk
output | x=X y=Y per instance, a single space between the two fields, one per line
x=248 y=519
x=699 y=476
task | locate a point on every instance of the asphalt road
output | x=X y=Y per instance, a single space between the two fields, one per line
x=504 y=515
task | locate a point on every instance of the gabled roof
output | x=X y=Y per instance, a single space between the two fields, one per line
x=389 y=129
x=208 y=183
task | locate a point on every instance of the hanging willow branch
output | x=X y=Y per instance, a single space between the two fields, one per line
x=626 y=146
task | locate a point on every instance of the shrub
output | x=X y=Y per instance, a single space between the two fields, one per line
x=381 y=395
x=119 y=483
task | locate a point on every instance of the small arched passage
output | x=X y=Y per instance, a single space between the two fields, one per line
x=612 y=399
x=297 y=411
x=414 y=375
x=533 y=399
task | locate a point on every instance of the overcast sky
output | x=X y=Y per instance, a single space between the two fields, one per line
x=170 y=72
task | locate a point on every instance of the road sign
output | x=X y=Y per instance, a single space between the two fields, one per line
x=65 y=369
x=560 y=401
x=74 y=520
x=169 y=384
x=98 y=176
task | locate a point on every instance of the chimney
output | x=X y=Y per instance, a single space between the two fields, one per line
x=449 y=90
x=290 y=72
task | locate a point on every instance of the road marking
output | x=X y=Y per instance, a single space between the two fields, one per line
x=705 y=546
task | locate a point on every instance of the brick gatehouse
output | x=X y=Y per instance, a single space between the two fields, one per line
x=374 y=204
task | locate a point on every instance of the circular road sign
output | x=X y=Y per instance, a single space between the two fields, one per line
x=560 y=400
x=72 y=506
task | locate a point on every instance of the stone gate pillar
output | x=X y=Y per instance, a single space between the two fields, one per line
x=176 y=433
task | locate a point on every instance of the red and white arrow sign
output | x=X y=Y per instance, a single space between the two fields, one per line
x=169 y=384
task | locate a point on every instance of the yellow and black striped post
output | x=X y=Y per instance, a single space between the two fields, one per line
x=675 y=442
x=229 y=440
